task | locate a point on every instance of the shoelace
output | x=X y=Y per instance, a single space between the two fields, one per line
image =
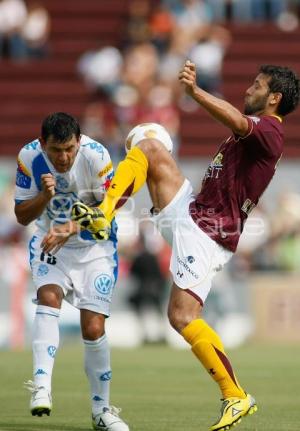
x=113 y=410
x=31 y=386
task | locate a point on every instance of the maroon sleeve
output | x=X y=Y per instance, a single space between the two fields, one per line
x=263 y=135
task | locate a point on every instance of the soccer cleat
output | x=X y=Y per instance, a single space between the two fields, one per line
x=41 y=401
x=109 y=420
x=232 y=411
x=91 y=219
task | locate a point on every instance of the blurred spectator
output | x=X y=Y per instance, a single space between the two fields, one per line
x=100 y=122
x=140 y=66
x=150 y=287
x=191 y=14
x=13 y=14
x=161 y=28
x=288 y=20
x=36 y=30
x=247 y=10
x=101 y=68
x=268 y=9
x=274 y=244
x=208 y=54
x=138 y=30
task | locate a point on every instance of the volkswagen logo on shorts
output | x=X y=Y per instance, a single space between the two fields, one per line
x=103 y=284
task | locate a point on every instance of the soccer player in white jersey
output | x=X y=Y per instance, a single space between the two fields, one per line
x=53 y=172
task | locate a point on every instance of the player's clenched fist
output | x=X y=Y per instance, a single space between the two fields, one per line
x=48 y=185
x=187 y=76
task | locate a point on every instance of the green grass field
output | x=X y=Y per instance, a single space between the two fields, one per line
x=158 y=388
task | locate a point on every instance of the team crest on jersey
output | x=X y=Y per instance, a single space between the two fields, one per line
x=217 y=161
x=62 y=183
x=42 y=270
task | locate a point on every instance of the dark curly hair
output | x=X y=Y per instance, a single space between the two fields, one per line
x=61 y=126
x=285 y=81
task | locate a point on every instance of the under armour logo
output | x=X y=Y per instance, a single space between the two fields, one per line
x=180 y=274
x=212 y=372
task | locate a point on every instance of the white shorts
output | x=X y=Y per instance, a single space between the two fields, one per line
x=87 y=275
x=195 y=258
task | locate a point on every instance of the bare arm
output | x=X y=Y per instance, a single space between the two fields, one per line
x=31 y=209
x=221 y=110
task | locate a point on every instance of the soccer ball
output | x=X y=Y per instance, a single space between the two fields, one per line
x=151 y=131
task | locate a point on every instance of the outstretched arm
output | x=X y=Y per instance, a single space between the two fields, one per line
x=218 y=108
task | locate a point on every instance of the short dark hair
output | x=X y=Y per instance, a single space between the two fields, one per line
x=61 y=126
x=285 y=81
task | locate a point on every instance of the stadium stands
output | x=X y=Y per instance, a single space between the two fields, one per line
x=30 y=90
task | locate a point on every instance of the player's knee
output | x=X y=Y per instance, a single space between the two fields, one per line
x=92 y=330
x=179 y=318
x=51 y=297
x=152 y=149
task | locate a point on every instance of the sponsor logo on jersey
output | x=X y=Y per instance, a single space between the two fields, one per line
x=96 y=146
x=248 y=206
x=105 y=170
x=32 y=145
x=256 y=120
x=215 y=168
x=23 y=177
x=42 y=270
x=107 y=182
x=103 y=284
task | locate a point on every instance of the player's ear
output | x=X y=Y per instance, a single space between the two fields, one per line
x=275 y=99
x=42 y=142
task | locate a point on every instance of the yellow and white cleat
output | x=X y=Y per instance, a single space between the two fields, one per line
x=232 y=411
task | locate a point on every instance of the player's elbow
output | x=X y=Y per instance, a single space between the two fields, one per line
x=21 y=219
x=240 y=126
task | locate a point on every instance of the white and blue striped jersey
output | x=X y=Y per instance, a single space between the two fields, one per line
x=87 y=181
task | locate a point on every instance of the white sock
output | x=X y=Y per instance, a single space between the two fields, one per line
x=98 y=371
x=45 y=340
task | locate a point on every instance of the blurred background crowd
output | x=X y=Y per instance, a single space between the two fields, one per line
x=114 y=64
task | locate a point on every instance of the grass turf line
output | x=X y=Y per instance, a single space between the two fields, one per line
x=158 y=388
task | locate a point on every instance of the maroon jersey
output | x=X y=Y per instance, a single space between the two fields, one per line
x=236 y=178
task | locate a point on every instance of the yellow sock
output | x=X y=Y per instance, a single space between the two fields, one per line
x=130 y=176
x=208 y=347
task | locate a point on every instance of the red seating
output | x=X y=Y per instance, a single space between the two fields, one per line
x=31 y=90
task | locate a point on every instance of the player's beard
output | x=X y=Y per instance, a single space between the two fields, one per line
x=256 y=106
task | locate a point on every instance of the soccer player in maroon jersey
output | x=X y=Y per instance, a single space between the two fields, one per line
x=204 y=230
